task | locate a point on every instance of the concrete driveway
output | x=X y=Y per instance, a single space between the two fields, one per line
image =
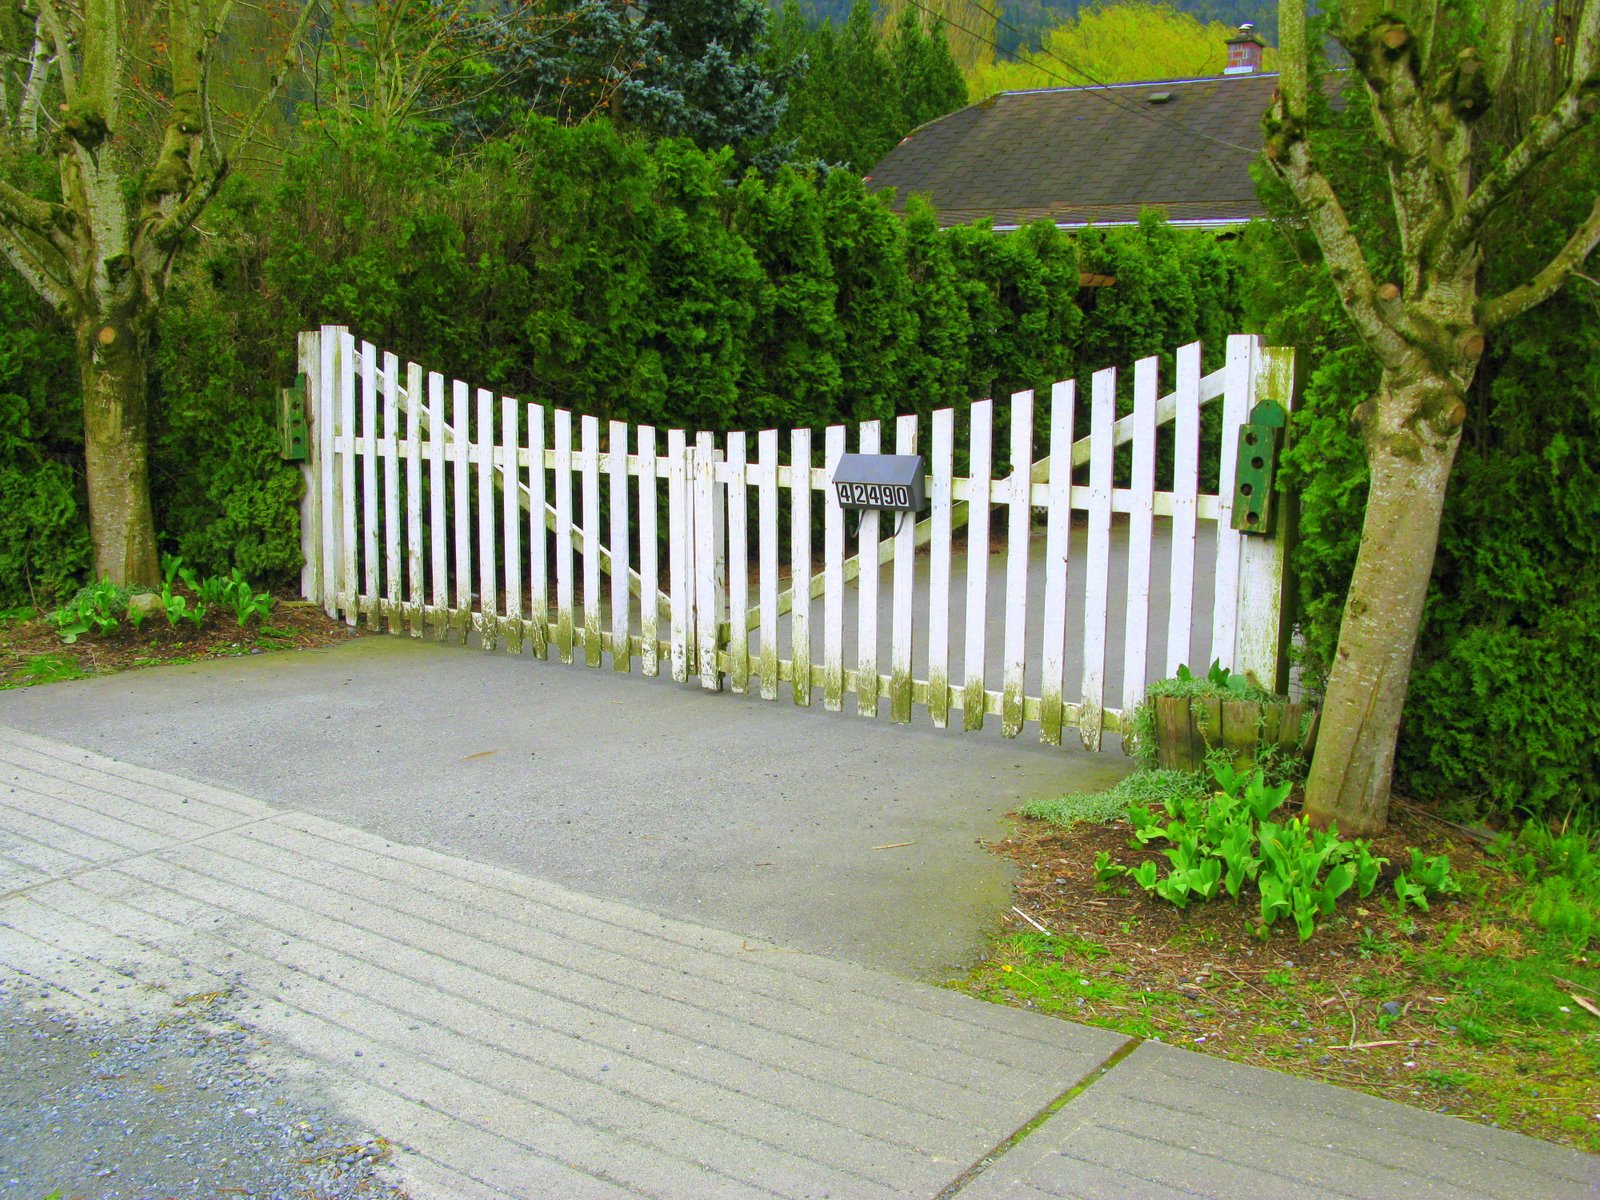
x=723 y=809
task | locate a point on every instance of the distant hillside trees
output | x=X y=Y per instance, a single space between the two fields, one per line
x=1119 y=43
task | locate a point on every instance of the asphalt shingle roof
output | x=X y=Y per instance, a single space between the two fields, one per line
x=1080 y=155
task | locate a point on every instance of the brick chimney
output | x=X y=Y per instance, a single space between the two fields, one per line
x=1244 y=51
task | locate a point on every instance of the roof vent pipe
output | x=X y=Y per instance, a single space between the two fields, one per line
x=1244 y=51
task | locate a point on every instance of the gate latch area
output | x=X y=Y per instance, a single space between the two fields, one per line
x=880 y=481
x=1259 y=443
x=293 y=437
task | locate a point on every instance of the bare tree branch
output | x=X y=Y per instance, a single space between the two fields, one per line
x=1542 y=286
x=26 y=261
x=51 y=20
x=33 y=90
x=205 y=184
x=18 y=208
x=1571 y=112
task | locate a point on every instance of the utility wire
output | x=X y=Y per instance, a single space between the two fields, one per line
x=1095 y=83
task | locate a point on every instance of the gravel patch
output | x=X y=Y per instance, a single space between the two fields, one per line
x=183 y=1104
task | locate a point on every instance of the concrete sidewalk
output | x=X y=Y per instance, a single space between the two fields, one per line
x=521 y=1039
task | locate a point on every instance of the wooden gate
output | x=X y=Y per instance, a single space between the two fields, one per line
x=439 y=510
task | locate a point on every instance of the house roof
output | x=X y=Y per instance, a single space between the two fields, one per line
x=1097 y=155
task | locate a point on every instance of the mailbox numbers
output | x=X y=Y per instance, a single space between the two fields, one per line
x=874 y=495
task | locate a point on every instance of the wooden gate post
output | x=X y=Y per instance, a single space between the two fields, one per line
x=1262 y=637
x=703 y=473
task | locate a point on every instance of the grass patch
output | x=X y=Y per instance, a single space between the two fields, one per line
x=1141 y=787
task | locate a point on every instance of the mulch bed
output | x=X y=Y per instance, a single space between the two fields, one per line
x=32 y=651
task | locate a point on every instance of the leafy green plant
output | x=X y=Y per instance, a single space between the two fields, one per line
x=1427 y=877
x=1228 y=840
x=246 y=603
x=95 y=609
x=178 y=608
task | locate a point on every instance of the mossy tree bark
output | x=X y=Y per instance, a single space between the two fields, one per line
x=1427 y=327
x=100 y=252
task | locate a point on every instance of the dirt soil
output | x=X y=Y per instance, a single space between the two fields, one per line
x=1372 y=1001
x=32 y=652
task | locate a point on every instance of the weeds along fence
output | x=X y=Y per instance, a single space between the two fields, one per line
x=1045 y=595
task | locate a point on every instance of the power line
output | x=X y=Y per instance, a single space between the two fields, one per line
x=1159 y=119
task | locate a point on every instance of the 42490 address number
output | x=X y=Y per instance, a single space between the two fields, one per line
x=874 y=495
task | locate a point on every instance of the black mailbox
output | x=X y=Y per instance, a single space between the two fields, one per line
x=883 y=481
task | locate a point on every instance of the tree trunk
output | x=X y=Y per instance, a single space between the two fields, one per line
x=116 y=453
x=1350 y=774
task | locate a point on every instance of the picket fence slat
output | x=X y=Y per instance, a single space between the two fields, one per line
x=414 y=580
x=1185 y=488
x=649 y=569
x=511 y=518
x=678 y=552
x=943 y=450
x=833 y=578
x=591 y=541
x=871 y=442
x=368 y=449
x=488 y=519
x=391 y=491
x=1097 y=575
x=538 y=537
x=738 y=566
x=349 y=584
x=565 y=620
x=799 y=563
x=1141 y=519
x=1057 y=552
x=900 y=679
x=978 y=498
x=1017 y=524
x=460 y=509
x=328 y=375
x=767 y=515
x=703 y=552
x=429 y=537
x=621 y=623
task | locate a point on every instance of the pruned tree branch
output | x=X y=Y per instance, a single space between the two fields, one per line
x=1378 y=326
x=1512 y=304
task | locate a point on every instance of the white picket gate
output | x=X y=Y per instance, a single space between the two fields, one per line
x=434 y=509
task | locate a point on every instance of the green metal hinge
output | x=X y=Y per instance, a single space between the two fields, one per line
x=1259 y=443
x=294 y=439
